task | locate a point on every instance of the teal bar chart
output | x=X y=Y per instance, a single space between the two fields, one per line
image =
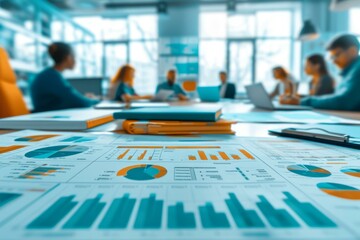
x=54 y=214
x=123 y=212
x=212 y=219
x=85 y=216
x=308 y=213
x=149 y=214
x=118 y=215
x=6 y=198
x=278 y=218
x=178 y=218
x=242 y=217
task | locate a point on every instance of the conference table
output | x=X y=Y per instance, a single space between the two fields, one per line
x=248 y=186
x=242 y=129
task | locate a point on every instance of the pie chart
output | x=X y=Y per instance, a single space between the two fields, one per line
x=308 y=171
x=142 y=172
x=355 y=172
x=56 y=151
x=340 y=190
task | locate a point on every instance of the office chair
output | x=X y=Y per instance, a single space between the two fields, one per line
x=189 y=85
x=11 y=99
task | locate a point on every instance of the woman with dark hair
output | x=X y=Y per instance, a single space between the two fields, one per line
x=49 y=90
x=122 y=84
x=286 y=86
x=321 y=83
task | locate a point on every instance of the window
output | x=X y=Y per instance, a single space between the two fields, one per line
x=212 y=61
x=118 y=41
x=273 y=23
x=241 y=25
x=354 y=19
x=247 y=44
x=143 y=56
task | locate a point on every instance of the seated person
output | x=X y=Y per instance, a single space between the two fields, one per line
x=171 y=84
x=286 y=85
x=124 y=80
x=227 y=90
x=50 y=91
x=321 y=83
x=344 y=52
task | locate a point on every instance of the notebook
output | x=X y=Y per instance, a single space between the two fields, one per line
x=74 y=119
x=205 y=114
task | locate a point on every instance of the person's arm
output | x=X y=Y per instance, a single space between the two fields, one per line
x=180 y=93
x=129 y=98
x=70 y=97
x=157 y=89
x=275 y=92
x=346 y=98
x=126 y=95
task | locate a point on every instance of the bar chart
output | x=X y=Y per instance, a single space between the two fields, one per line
x=10 y=148
x=16 y=196
x=44 y=172
x=6 y=198
x=127 y=210
x=184 y=153
x=40 y=172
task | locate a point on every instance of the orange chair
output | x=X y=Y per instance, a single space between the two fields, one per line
x=11 y=99
x=189 y=85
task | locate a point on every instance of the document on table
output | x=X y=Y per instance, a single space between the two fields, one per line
x=93 y=186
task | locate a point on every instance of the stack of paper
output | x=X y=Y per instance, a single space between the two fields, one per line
x=73 y=119
x=177 y=127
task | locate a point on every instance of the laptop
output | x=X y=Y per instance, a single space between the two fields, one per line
x=261 y=99
x=162 y=96
x=209 y=94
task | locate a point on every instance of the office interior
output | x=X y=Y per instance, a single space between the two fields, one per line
x=258 y=171
x=244 y=38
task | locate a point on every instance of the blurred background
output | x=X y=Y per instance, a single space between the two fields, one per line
x=198 y=38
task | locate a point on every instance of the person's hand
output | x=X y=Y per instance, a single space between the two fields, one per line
x=147 y=97
x=182 y=97
x=289 y=100
x=92 y=96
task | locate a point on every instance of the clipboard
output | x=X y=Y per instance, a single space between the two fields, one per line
x=318 y=135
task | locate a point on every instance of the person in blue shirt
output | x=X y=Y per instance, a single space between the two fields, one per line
x=123 y=85
x=171 y=84
x=344 y=52
x=227 y=89
x=50 y=91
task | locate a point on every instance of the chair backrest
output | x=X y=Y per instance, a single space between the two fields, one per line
x=11 y=99
x=189 y=85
